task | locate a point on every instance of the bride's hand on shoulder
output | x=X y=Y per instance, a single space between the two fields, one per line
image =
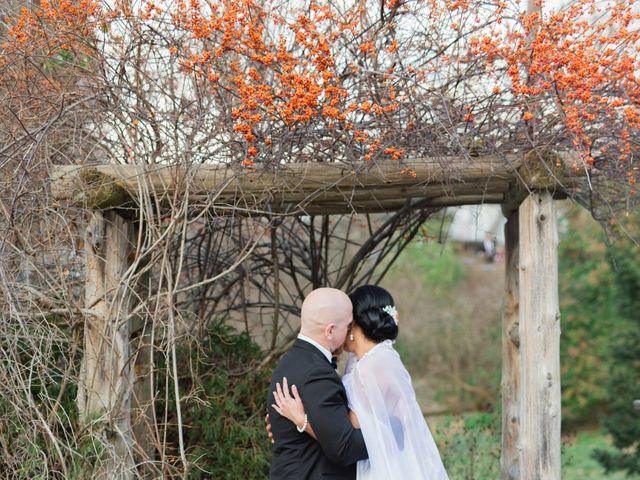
x=288 y=404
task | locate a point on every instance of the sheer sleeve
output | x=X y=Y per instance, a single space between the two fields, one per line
x=398 y=440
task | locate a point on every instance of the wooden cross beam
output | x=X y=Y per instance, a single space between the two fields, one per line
x=316 y=188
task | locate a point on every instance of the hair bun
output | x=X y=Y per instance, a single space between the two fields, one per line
x=370 y=314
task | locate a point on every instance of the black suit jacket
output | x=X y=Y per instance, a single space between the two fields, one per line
x=297 y=456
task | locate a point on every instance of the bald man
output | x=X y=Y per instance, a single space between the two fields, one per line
x=325 y=319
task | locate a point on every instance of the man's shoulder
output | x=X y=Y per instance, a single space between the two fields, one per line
x=305 y=362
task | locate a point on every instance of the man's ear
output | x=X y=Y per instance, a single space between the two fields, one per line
x=329 y=330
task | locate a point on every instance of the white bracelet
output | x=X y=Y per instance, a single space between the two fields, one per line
x=304 y=425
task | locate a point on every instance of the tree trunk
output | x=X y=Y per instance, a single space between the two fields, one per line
x=540 y=340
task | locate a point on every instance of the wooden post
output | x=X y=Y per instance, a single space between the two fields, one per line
x=104 y=393
x=539 y=340
x=510 y=456
x=142 y=399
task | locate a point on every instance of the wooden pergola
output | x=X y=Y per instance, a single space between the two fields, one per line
x=525 y=185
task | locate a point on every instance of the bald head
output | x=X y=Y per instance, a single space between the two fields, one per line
x=326 y=312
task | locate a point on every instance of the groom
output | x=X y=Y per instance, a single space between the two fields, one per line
x=325 y=319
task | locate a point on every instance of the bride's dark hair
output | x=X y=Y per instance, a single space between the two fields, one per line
x=368 y=304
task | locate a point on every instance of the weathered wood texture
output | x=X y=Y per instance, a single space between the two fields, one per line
x=311 y=188
x=510 y=457
x=104 y=394
x=539 y=328
x=142 y=415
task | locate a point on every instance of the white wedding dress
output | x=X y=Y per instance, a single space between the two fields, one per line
x=398 y=439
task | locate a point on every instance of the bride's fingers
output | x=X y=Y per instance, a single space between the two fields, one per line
x=281 y=401
x=279 y=390
x=277 y=395
x=277 y=409
x=285 y=387
x=294 y=392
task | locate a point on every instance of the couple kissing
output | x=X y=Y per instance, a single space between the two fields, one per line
x=367 y=425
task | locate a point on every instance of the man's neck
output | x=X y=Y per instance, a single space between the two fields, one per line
x=318 y=343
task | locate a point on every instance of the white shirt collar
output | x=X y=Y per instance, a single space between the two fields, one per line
x=324 y=351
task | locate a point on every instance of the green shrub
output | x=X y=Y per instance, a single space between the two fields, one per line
x=223 y=404
x=622 y=420
x=40 y=371
x=470 y=445
x=588 y=296
x=440 y=263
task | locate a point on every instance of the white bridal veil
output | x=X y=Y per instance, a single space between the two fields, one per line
x=398 y=440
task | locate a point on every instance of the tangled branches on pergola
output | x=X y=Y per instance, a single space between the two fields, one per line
x=258 y=89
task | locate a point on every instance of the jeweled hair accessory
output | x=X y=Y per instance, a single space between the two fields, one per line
x=391 y=310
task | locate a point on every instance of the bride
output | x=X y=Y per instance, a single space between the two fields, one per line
x=381 y=398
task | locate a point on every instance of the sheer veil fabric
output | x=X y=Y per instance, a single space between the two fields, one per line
x=398 y=439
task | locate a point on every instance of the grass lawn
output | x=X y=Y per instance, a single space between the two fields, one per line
x=577 y=463
x=470 y=448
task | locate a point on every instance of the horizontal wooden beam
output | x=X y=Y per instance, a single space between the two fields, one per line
x=300 y=188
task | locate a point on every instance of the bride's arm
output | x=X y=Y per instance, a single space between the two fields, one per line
x=290 y=406
x=354 y=419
